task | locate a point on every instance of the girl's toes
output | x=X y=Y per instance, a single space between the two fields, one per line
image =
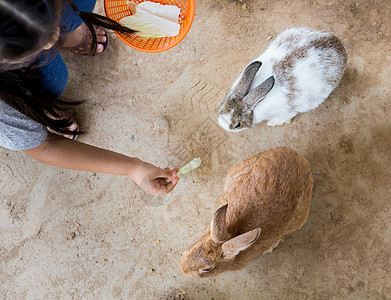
x=101 y=39
x=72 y=127
x=100 y=32
x=99 y=48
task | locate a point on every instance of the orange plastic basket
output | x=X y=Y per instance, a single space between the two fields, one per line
x=118 y=9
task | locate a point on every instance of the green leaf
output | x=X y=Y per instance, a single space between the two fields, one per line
x=194 y=164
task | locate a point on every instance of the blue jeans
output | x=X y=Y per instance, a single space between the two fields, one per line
x=55 y=72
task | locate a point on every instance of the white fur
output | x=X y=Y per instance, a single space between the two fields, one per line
x=311 y=76
x=225 y=119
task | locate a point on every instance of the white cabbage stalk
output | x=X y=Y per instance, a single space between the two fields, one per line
x=194 y=164
x=169 y=12
x=149 y=25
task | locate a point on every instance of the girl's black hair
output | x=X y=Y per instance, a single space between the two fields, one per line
x=23 y=32
x=22 y=89
x=26 y=26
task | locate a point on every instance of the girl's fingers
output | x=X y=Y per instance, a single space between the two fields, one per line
x=170 y=186
x=164 y=187
x=170 y=173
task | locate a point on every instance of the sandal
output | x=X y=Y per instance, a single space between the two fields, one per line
x=84 y=47
x=73 y=128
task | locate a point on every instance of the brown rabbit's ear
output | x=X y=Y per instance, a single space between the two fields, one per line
x=232 y=247
x=217 y=226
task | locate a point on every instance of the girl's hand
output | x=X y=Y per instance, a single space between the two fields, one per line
x=154 y=180
x=65 y=153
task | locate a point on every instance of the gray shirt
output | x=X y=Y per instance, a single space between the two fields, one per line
x=18 y=132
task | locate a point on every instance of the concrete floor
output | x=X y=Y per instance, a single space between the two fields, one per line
x=77 y=235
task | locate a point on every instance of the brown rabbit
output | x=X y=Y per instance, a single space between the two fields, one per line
x=266 y=197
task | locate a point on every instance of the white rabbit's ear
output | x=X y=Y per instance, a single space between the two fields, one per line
x=217 y=226
x=242 y=86
x=246 y=79
x=257 y=94
x=232 y=247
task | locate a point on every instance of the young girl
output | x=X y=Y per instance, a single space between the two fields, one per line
x=33 y=75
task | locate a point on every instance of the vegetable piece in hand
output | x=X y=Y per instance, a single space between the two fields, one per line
x=194 y=164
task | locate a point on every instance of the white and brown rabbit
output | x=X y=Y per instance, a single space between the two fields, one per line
x=266 y=197
x=295 y=74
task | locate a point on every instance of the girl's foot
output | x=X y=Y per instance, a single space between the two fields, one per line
x=73 y=127
x=79 y=41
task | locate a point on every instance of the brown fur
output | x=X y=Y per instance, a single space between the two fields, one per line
x=270 y=190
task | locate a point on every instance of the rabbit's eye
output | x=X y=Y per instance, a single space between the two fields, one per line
x=206 y=269
x=238 y=125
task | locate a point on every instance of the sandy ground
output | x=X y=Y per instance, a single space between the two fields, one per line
x=77 y=235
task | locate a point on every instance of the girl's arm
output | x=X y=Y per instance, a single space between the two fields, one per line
x=65 y=153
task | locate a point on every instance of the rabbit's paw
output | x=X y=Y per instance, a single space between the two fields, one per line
x=287 y=122
x=276 y=122
x=281 y=120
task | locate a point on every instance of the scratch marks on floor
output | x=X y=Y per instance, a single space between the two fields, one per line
x=203 y=96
